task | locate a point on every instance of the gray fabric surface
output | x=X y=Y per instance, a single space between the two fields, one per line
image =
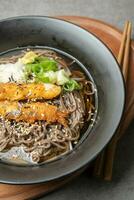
x=114 y=12
x=121 y=188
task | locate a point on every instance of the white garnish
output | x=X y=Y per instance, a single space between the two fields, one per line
x=11 y=72
x=62 y=77
x=17 y=152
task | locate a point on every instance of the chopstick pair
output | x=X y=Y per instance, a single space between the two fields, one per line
x=123 y=56
x=103 y=166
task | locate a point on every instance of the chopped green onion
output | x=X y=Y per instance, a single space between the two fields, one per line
x=37 y=69
x=43 y=66
x=45 y=70
x=43 y=79
x=71 y=85
x=47 y=64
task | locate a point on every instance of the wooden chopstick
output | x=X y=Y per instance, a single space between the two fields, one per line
x=126 y=53
x=99 y=164
x=104 y=162
x=111 y=147
x=122 y=46
x=126 y=59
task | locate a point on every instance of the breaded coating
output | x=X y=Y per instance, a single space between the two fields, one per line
x=31 y=112
x=15 y=92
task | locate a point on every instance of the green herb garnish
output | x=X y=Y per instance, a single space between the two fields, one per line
x=45 y=70
x=71 y=85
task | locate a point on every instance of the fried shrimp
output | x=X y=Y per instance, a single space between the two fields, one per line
x=14 y=91
x=31 y=112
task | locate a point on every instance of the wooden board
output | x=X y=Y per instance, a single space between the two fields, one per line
x=111 y=37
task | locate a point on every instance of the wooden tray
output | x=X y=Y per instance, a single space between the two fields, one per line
x=111 y=37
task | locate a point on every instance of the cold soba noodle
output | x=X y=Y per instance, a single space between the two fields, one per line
x=43 y=106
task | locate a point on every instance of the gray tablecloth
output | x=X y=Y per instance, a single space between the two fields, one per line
x=114 y=12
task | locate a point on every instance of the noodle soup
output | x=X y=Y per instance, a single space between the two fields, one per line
x=45 y=102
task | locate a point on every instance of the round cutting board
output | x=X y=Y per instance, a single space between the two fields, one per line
x=112 y=38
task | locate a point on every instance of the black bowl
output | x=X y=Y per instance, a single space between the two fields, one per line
x=98 y=60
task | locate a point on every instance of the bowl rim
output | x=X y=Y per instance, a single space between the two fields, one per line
x=25 y=17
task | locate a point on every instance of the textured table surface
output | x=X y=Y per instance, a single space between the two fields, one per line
x=114 y=12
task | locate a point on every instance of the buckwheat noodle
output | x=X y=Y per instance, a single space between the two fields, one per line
x=47 y=141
